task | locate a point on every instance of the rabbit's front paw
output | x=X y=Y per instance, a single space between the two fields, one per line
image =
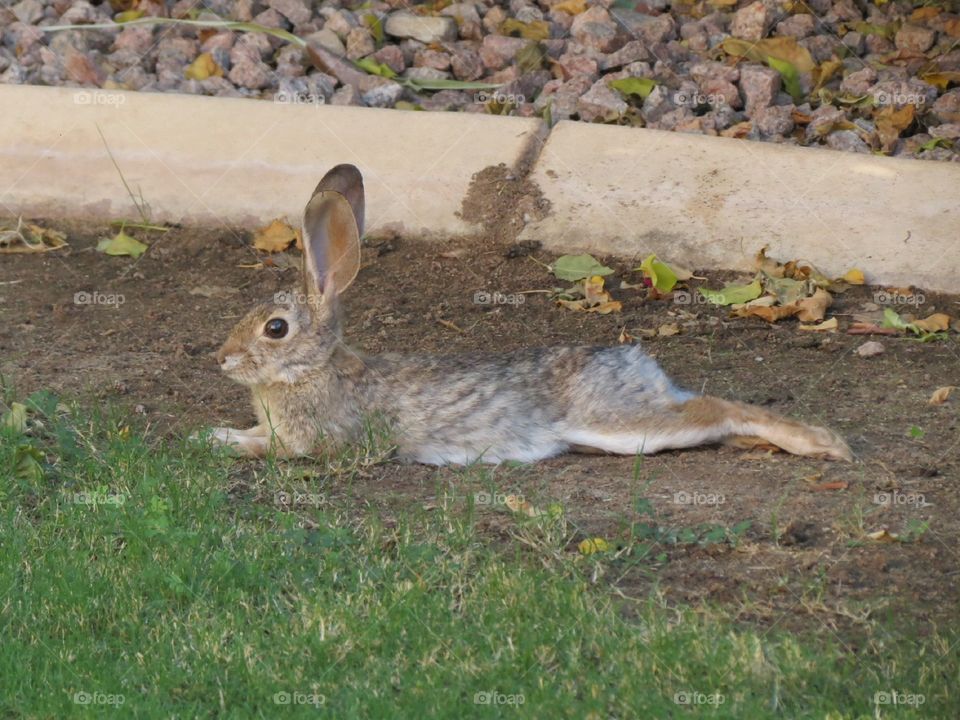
x=244 y=442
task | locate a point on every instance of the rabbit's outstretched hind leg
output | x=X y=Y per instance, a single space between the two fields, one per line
x=704 y=420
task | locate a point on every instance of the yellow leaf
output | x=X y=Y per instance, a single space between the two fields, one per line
x=128 y=15
x=779 y=48
x=940 y=395
x=593 y=545
x=15 y=418
x=668 y=329
x=854 y=277
x=938 y=322
x=573 y=7
x=941 y=80
x=884 y=536
x=202 y=68
x=533 y=30
x=276 y=237
x=826 y=326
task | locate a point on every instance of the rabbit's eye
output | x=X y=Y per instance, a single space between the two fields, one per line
x=275 y=328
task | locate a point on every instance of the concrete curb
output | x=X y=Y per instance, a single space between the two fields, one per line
x=697 y=201
x=707 y=202
x=230 y=161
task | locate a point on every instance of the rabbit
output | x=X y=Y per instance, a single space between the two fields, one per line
x=311 y=390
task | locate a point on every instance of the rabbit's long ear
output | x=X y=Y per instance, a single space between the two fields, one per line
x=346 y=180
x=332 y=225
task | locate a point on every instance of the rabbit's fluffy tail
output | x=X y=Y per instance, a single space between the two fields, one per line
x=704 y=420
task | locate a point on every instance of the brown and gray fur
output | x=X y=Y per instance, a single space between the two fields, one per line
x=310 y=389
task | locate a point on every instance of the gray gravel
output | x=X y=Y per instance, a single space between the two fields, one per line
x=885 y=57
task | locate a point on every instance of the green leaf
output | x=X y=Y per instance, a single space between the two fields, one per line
x=27 y=463
x=376 y=27
x=369 y=65
x=640 y=87
x=660 y=274
x=786 y=289
x=443 y=84
x=531 y=57
x=127 y=16
x=225 y=24
x=578 y=267
x=935 y=142
x=733 y=294
x=122 y=244
x=892 y=320
x=15 y=418
x=791 y=78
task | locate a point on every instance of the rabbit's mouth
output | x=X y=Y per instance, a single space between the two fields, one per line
x=236 y=368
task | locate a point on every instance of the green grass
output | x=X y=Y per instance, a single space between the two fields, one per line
x=166 y=573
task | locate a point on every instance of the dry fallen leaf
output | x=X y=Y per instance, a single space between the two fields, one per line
x=769 y=313
x=833 y=485
x=571 y=7
x=891 y=122
x=668 y=329
x=826 y=326
x=519 y=505
x=30 y=238
x=595 y=298
x=938 y=322
x=768 y=265
x=941 y=394
x=277 y=236
x=625 y=338
x=812 y=309
x=883 y=535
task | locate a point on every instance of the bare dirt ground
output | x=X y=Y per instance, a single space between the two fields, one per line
x=804 y=562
